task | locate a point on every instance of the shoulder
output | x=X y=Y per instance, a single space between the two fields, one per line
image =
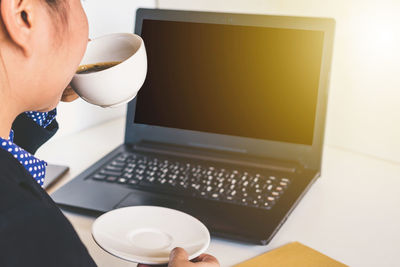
x=33 y=230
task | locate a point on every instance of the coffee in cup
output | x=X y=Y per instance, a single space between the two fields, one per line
x=89 y=68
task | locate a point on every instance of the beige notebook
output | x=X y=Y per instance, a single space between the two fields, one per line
x=292 y=255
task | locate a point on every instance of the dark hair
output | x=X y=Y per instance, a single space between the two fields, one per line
x=60 y=7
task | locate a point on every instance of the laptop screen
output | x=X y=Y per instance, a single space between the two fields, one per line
x=245 y=81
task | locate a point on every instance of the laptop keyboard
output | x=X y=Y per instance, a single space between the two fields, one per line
x=184 y=178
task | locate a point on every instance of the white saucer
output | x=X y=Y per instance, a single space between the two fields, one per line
x=147 y=234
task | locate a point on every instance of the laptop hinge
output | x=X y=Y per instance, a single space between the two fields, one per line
x=201 y=154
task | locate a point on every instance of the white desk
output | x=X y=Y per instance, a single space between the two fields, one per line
x=351 y=213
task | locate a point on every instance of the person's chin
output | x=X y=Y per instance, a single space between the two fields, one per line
x=49 y=108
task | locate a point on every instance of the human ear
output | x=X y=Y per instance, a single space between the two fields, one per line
x=17 y=16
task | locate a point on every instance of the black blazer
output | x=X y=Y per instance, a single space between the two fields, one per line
x=33 y=231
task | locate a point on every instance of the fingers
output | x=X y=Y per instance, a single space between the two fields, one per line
x=199 y=258
x=69 y=95
x=207 y=258
x=177 y=257
x=146 y=265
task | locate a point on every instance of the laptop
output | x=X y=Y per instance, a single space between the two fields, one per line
x=228 y=126
x=53 y=174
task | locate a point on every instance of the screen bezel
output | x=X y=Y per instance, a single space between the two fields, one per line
x=306 y=155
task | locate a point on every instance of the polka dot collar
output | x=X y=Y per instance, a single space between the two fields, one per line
x=43 y=119
x=36 y=167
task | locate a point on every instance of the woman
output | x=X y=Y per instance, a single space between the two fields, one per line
x=41 y=45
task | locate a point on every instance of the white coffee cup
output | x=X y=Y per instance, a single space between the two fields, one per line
x=116 y=85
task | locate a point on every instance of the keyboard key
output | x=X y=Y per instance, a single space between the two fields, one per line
x=229 y=198
x=284 y=184
x=111 y=178
x=118 y=163
x=271 y=199
x=122 y=180
x=133 y=182
x=254 y=203
x=98 y=176
x=114 y=168
x=111 y=173
x=127 y=175
x=128 y=170
x=266 y=205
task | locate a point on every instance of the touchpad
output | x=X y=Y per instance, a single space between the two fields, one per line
x=139 y=198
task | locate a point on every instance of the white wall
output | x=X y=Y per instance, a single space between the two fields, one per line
x=364 y=101
x=105 y=16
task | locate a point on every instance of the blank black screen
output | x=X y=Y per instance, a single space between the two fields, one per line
x=245 y=81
